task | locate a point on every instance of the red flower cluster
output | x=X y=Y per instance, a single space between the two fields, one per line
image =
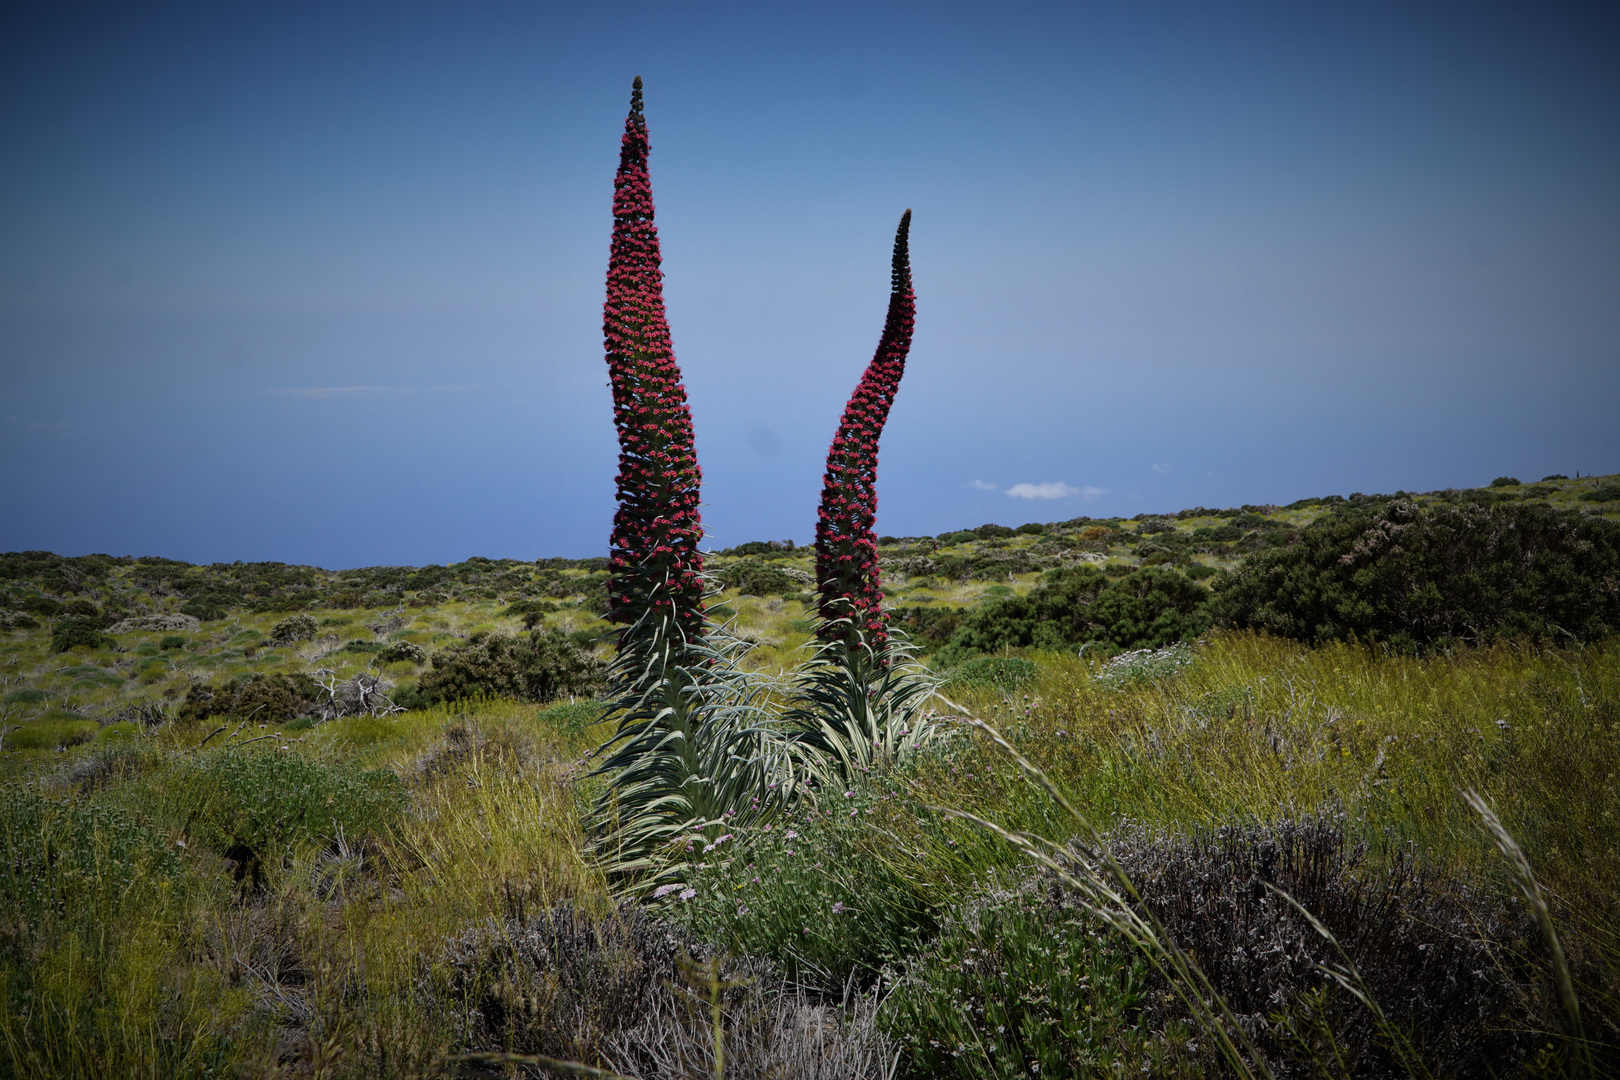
x=654 y=557
x=846 y=549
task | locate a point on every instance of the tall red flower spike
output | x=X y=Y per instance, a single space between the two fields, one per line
x=654 y=557
x=846 y=550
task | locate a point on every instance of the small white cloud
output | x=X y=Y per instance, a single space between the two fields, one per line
x=1092 y=492
x=1161 y=468
x=980 y=485
x=1057 y=490
x=341 y=391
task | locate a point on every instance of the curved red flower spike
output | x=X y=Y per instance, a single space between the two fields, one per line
x=846 y=549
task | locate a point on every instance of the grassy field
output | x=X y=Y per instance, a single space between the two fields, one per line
x=371 y=895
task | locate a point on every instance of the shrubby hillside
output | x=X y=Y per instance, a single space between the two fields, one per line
x=231 y=851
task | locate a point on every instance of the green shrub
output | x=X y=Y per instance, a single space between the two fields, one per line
x=83 y=609
x=992 y=532
x=537 y=668
x=259 y=805
x=294 y=629
x=961 y=537
x=359 y=646
x=53 y=731
x=78 y=632
x=1033 y=528
x=172 y=641
x=1021 y=985
x=408 y=651
x=1505 y=481
x=28 y=695
x=74 y=861
x=1602 y=493
x=752 y=578
x=123 y=731
x=805 y=890
x=267 y=698
x=1145 y=665
x=532 y=612
x=1554 y=476
x=1006 y=673
x=42 y=606
x=1146 y=607
x=1198 y=571
x=1412 y=577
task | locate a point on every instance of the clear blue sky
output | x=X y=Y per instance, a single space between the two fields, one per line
x=323 y=283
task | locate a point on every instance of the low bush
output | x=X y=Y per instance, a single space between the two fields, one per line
x=1146 y=607
x=1413 y=577
x=267 y=698
x=1602 y=493
x=257 y=806
x=538 y=668
x=807 y=891
x=1005 y=673
x=53 y=731
x=752 y=578
x=294 y=629
x=1505 y=481
x=78 y=632
x=1433 y=954
x=171 y=641
x=28 y=695
x=1021 y=984
x=408 y=651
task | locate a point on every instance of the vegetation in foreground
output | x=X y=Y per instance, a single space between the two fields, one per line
x=371 y=895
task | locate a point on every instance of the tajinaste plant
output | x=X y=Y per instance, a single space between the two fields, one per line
x=851 y=600
x=860 y=699
x=654 y=557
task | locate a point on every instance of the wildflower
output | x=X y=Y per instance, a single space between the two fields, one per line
x=687 y=894
x=791 y=835
x=851 y=596
x=742 y=909
x=849 y=794
x=838 y=907
x=664 y=890
x=653 y=553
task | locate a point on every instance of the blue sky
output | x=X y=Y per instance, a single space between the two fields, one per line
x=322 y=283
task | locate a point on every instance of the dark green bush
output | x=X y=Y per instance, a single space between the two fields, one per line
x=172 y=641
x=296 y=628
x=72 y=632
x=30 y=695
x=532 y=612
x=272 y=698
x=1505 y=481
x=42 y=606
x=1412 y=577
x=1148 y=608
x=1554 y=476
x=991 y=531
x=359 y=646
x=757 y=579
x=402 y=650
x=957 y=537
x=1602 y=493
x=84 y=609
x=927 y=626
x=1032 y=528
x=539 y=668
